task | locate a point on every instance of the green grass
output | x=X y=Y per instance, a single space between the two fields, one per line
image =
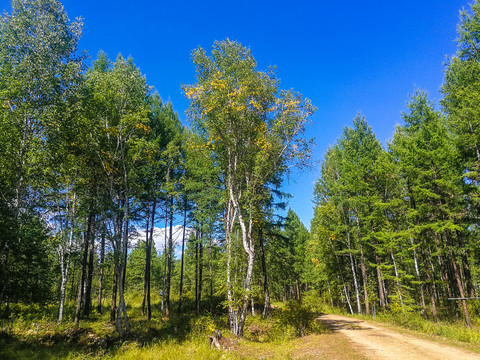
x=453 y=330
x=31 y=332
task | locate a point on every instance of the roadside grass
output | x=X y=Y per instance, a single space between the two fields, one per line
x=455 y=330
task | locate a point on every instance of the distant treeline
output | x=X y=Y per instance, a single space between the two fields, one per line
x=398 y=228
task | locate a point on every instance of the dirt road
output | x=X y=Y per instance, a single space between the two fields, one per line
x=375 y=342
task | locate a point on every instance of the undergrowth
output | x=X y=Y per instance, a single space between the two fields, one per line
x=31 y=332
x=453 y=330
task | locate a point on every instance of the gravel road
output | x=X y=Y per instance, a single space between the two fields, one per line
x=376 y=342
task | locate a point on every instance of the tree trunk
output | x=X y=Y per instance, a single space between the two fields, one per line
x=397 y=279
x=347 y=298
x=443 y=270
x=355 y=283
x=64 y=265
x=3 y=270
x=249 y=247
x=363 y=267
x=78 y=308
x=113 y=306
x=381 y=290
x=72 y=283
x=196 y=272
x=419 y=279
x=65 y=259
x=470 y=290
x=430 y=287
x=100 y=275
x=121 y=313
x=380 y=280
x=472 y=132
x=340 y=266
x=433 y=273
x=81 y=284
x=297 y=290
x=147 y=233
x=148 y=260
x=267 y=307
x=165 y=260
x=169 y=262
x=183 y=256
x=354 y=273
x=211 y=272
x=91 y=247
x=200 y=272
x=248 y=282
x=229 y=222
x=457 y=278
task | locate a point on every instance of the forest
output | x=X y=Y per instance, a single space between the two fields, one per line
x=114 y=211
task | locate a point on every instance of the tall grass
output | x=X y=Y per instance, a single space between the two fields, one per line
x=453 y=330
x=31 y=332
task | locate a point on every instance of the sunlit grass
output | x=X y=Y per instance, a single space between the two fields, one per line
x=454 y=330
x=31 y=332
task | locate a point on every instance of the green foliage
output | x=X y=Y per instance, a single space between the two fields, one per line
x=285 y=250
x=297 y=320
x=136 y=269
x=387 y=223
x=30 y=263
x=254 y=132
x=453 y=331
x=39 y=74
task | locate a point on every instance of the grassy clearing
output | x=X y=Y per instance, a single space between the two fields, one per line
x=30 y=332
x=293 y=332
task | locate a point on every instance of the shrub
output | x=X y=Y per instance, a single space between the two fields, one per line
x=297 y=320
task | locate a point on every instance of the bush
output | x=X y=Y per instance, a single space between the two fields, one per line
x=313 y=302
x=297 y=320
x=202 y=325
x=455 y=330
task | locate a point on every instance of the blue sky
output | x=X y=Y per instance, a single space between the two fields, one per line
x=346 y=56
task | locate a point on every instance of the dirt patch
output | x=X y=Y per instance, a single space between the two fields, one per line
x=376 y=342
x=75 y=336
x=326 y=346
x=333 y=346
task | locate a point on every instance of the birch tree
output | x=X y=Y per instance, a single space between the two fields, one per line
x=119 y=93
x=39 y=70
x=257 y=132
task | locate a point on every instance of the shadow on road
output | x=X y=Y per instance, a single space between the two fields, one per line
x=342 y=324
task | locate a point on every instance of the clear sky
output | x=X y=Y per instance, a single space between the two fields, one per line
x=346 y=56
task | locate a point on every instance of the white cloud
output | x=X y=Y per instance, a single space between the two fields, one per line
x=159 y=236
